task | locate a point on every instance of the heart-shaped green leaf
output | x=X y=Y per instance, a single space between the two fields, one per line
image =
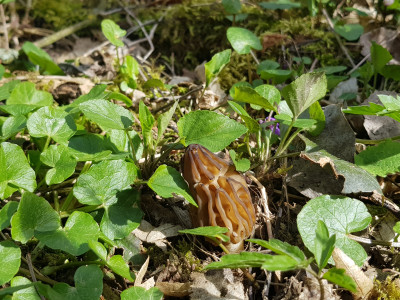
x=34 y=215
x=10 y=260
x=350 y=32
x=342 y=216
x=11 y=126
x=243 y=40
x=19 y=173
x=113 y=32
x=215 y=133
x=216 y=64
x=79 y=229
x=6 y=212
x=42 y=59
x=89 y=147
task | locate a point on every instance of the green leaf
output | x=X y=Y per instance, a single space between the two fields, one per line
x=27 y=292
x=131 y=69
x=10 y=260
x=209 y=231
x=242 y=260
x=167 y=181
x=6 y=213
x=243 y=40
x=269 y=92
x=282 y=248
x=89 y=147
x=238 y=84
x=280 y=263
x=304 y=91
x=25 y=98
x=122 y=217
x=138 y=292
x=153 y=83
x=2 y=71
x=34 y=215
x=382 y=159
x=391 y=71
x=249 y=95
x=396 y=227
x=62 y=163
x=120 y=140
x=97 y=92
x=42 y=59
x=379 y=56
x=19 y=174
x=98 y=249
x=232 y=7
x=12 y=126
x=88 y=286
x=120 y=97
x=7 y=88
x=241 y=165
x=216 y=64
x=51 y=122
x=106 y=114
x=164 y=119
x=101 y=183
x=267 y=65
x=113 y=32
x=328 y=70
x=215 y=133
x=119 y=266
x=316 y=113
x=278 y=76
x=146 y=122
x=350 y=32
x=389 y=102
x=324 y=245
x=79 y=229
x=342 y=216
x=338 y=276
x=279 y=4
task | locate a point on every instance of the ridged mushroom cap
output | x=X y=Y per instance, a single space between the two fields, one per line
x=221 y=193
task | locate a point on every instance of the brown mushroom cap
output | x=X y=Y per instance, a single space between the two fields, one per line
x=221 y=193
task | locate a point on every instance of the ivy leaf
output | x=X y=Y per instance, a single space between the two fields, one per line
x=11 y=126
x=122 y=217
x=62 y=163
x=88 y=286
x=382 y=159
x=79 y=229
x=215 y=133
x=51 y=122
x=342 y=216
x=113 y=32
x=106 y=114
x=42 y=59
x=34 y=215
x=209 y=231
x=216 y=64
x=167 y=181
x=18 y=174
x=304 y=91
x=89 y=147
x=138 y=292
x=10 y=260
x=6 y=213
x=339 y=277
x=243 y=40
x=24 y=98
x=101 y=183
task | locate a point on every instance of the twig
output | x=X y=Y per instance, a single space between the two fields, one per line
x=78 y=80
x=338 y=38
x=64 y=32
x=373 y=242
x=359 y=64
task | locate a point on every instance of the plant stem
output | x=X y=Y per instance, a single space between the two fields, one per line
x=131 y=145
x=374 y=142
x=51 y=270
x=40 y=277
x=249 y=69
x=282 y=143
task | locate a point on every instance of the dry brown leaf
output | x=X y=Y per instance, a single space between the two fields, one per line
x=174 y=289
x=142 y=272
x=364 y=284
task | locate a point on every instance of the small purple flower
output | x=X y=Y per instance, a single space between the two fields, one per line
x=277 y=131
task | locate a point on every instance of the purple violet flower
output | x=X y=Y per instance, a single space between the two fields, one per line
x=277 y=131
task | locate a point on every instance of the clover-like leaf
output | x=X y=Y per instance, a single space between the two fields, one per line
x=342 y=216
x=34 y=215
x=51 y=122
x=18 y=174
x=79 y=229
x=243 y=40
x=106 y=114
x=167 y=181
x=10 y=260
x=215 y=133
x=62 y=163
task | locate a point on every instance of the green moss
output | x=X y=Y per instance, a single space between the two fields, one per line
x=386 y=290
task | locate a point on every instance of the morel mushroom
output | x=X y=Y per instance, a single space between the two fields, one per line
x=221 y=194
